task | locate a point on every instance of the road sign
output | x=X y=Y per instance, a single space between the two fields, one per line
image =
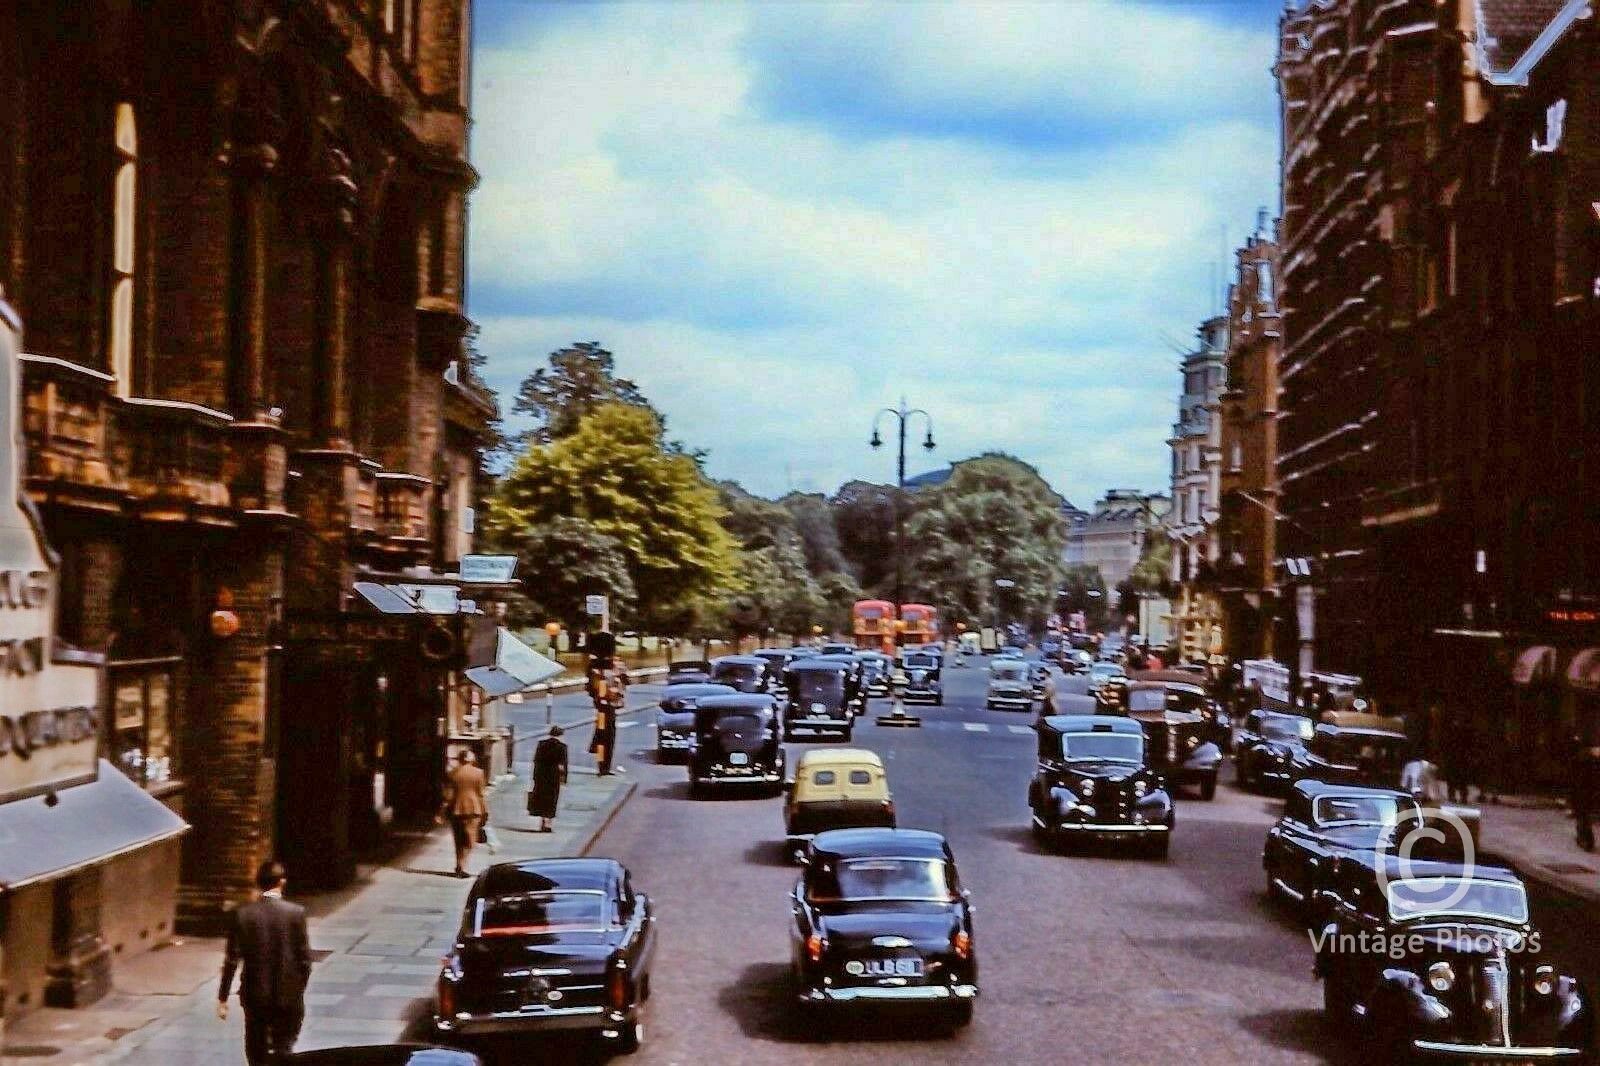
x=488 y=567
x=595 y=605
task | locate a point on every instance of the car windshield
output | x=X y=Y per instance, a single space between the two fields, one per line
x=1466 y=897
x=737 y=726
x=921 y=662
x=820 y=685
x=1112 y=747
x=689 y=666
x=1367 y=749
x=1008 y=672
x=884 y=878
x=1365 y=810
x=1287 y=727
x=541 y=912
x=741 y=676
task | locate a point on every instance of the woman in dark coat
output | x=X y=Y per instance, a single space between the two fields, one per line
x=549 y=774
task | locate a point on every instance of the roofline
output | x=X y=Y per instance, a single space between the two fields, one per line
x=1518 y=75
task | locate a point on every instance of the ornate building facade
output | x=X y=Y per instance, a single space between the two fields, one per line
x=235 y=233
x=1196 y=445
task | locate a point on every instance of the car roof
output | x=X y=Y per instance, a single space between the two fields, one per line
x=696 y=688
x=837 y=657
x=839 y=756
x=739 y=660
x=688 y=662
x=539 y=875
x=830 y=664
x=773 y=653
x=864 y=843
x=1399 y=867
x=1313 y=789
x=738 y=701
x=1092 y=723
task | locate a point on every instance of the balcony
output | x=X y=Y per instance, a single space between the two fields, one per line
x=175 y=456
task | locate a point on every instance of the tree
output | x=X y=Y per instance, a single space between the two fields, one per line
x=819 y=537
x=1077 y=584
x=863 y=520
x=562 y=561
x=613 y=471
x=579 y=379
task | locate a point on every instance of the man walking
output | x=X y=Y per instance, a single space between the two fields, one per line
x=268 y=938
x=1586 y=794
x=549 y=774
x=465 y=805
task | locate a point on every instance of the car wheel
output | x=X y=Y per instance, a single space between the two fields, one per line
x=961 y=1014
x=631 y=1040
x=1208 y=787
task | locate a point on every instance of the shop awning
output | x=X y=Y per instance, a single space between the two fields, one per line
x=516 y=668
x=89 y=824
x=1583 y=672
x=1534 y=664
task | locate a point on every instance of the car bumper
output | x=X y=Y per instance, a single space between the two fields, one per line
x=1012 y=699
x=921 y=693
x=671 y=743
x=1486 y=1052
x=536 y=1020
x=1106 y=829
x=818 y=723
x=889 y=995
x=762 y=777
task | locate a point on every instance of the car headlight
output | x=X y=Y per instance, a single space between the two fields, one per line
x=1141 y=787
x=1441 y=978
x=1087 y=788
x=1544 y=980
x=1191 y=742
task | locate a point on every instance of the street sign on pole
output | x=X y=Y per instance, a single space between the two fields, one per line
x=488 y=568
x=595 y=605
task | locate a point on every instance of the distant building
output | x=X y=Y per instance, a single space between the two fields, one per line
x=1196 y=444
x=1114 y=533
x=1077 y=520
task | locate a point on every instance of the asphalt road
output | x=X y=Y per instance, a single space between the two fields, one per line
x=1092 y=958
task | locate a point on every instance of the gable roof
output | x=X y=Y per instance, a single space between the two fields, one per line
x=1514 y=35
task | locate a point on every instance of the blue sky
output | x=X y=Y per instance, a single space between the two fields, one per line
x=783 y=216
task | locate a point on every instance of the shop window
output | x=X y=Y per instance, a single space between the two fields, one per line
x=143 y=695
x=123 y=212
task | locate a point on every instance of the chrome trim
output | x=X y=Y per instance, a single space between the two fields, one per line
x=1489 y=1051
x=1294 y=894
x=1102 y=827
x=917 y=993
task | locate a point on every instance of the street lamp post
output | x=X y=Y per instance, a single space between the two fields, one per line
x=902 y=416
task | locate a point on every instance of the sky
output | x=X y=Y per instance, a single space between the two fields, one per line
x=783 y=217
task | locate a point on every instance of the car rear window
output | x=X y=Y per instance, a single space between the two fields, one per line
x=860 y=777
x=824 y=777
x=541 y=912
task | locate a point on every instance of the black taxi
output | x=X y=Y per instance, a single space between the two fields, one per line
x=1092 y=781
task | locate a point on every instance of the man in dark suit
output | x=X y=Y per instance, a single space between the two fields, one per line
x=268 y=936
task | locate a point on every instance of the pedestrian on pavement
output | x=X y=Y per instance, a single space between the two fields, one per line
x=1586 y=794
x=608 y=686
x=267 y=937
x=465 y=806
x=549 y=774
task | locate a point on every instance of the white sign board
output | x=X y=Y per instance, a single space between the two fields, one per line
x=49 y=709
x=595 y=605
x=488 y=568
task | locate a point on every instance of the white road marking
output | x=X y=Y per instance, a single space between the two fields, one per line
x=1022 y=729
x=975 y=727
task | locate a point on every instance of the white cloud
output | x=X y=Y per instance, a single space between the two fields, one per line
x=771 y=280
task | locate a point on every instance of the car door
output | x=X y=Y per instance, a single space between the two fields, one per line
x=638 y=911
x=802 y=926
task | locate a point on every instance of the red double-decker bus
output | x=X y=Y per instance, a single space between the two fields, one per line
x=872 y=625
x=921 y=624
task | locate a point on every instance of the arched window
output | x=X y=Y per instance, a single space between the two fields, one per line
x=124 y=204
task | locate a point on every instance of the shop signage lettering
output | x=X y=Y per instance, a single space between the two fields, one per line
x=24 y=589
x=21 y=657
x=356 y=630
x=23 y=734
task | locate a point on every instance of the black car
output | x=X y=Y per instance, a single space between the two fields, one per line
x=1267 y=745
x=737 y=741
x=551 y=944
x=923 y=673
x=1322 y=822
x=823 y=693
x=876 y=670
x=675 y=717
x=837 y=648
x=881 y=921
x=688 y=672
x=744 y=673
x=1181 y=731
x=1439 y=960
x=1353 y=754
x=1092 y=781
x=780 y=658
x=385 y=1055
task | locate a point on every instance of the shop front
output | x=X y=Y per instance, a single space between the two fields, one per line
x=77 y=837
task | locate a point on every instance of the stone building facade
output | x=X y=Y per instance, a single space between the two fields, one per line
x=235 y=232
x=1196 y=445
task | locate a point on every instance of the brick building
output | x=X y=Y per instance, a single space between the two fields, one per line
x=235 y=233
x=1246 y=529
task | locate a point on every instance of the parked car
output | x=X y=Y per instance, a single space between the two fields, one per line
x=881 y=921
x=688 y=671
x=1092 y=781
x=839 y=648
x=1354 y=749
x=1439 y=960
x=1103 y=673
x=1322 y=822
x=385 y=1055
x=737 y=742
x=835 y=788
x=1266 y=747
x=551 y=944
x=1181 y=734
x=1009 y=686
x=822 y=696
x=675 y=717
x=778 y=659
x=920 y=677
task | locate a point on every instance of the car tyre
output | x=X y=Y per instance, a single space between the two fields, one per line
x=632 y=1039
x=961 y=1015
x=1208 y=787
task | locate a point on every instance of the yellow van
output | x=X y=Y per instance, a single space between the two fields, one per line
x=835 y=788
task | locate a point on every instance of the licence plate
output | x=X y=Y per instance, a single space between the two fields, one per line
x=884 y=967
x=738 y=758
x=819 y=708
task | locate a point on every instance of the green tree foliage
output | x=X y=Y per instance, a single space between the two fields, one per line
x=819 y=537
x=863 y=519
x=1077 y=582
x=579 y=379
x=777 y=588
x=614 y=472
x=996 y=518
x=562 y=561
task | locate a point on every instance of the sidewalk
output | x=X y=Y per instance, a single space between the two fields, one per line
x=1538 y=838
x=378 y=948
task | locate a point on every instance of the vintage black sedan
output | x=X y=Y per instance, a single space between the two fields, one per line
x=1439 y=960
x=1322 y=822
x=1354 y=749
x=551 y=944
x=675 y=717
x=881 y=921
x=923 y=677
x=876 y=670
x=737 y=741
x=744 y=673
x=1267 y=745
x=688 y=672
x=1092 y=782
x=1181 y=732
x=823 y=693
x=778 y=659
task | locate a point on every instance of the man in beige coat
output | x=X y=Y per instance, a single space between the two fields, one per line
x=464 y=804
